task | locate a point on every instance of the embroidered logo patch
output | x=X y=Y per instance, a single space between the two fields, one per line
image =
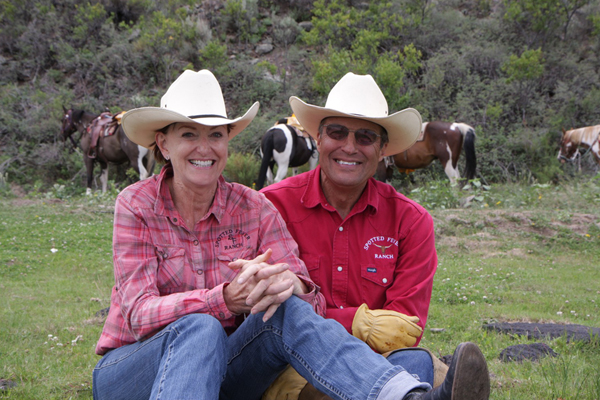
x=232 y=239
x=383 y=246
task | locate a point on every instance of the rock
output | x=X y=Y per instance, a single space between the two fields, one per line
x=6 y=384
x=264 y=48
x=543 y=331
x=521 y=352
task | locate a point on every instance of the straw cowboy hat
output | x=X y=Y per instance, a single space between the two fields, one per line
x=358 y=96
x=194 y=97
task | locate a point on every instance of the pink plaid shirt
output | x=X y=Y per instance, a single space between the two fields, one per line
x=164 y=270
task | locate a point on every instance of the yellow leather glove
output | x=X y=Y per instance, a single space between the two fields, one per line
x=287 y=386
x=385 y=330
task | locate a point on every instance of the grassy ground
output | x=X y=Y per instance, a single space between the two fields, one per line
x=517 y=253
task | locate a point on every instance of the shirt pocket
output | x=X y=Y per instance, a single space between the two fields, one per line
x=172 y=264
x=227 y=273
x=375 y=280
x=313 y=264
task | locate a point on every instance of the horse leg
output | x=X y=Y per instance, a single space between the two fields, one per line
x=314 y=160
x=282 y=169
x=295 y=171
x=270 y=173
x=450 y=166
x=89 y=167
x=104 y=178
x=142 y=151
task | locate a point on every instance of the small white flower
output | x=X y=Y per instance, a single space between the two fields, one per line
x=559 y=313
x=53 y=250
x=472 y=303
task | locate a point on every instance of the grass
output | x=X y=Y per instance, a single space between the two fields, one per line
x=520 y=253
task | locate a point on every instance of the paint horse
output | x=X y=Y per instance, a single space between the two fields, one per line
x=438 y=140
x=587 y=138
x=285 y=145
x=112 y=149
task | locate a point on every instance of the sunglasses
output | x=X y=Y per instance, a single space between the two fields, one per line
x=363 y=137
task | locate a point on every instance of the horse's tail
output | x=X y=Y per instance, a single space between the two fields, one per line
x=469 y=149
x=266 y=147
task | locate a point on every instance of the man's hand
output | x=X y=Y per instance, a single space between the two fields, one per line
x=385 y=330
x=260 y=286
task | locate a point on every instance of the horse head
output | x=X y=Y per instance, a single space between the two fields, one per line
x=67 y=125
x=568 y=149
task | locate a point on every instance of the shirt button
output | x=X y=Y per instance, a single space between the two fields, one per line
x=341 y=307
x=165 y=255
x=199 y=272
x=196 y=243
x=340 y=269
x=174 y=219
x=384 y=280
x=341 y=228
x=221 y=315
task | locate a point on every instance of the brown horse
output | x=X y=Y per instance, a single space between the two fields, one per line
x=587 y=138
x=440 y=140
x=114 y=149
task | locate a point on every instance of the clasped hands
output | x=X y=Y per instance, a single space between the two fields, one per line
x=260 y=286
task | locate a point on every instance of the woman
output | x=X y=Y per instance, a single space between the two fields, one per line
x=210 y=300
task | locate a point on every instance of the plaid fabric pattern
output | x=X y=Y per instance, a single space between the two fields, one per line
x=165 y=270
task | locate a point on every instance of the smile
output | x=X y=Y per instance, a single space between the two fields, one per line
x=202 y=164
x=347 y=162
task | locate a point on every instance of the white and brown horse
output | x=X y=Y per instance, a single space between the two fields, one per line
x=285 y=145
x=114 y=149
x=587 y=138
x=440 y=140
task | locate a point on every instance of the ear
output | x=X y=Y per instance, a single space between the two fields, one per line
x=318 y=142
x=161 y=139
x=382 y=151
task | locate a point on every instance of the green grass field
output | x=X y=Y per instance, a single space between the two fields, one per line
x=526 y=254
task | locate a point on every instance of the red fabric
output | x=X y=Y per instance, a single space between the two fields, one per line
x=164 y=271
x=383 y=254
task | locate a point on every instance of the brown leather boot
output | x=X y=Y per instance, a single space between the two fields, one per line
x=467 y=378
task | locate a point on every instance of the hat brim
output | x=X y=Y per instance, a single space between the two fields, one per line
x=141 y=124
x=403 y=127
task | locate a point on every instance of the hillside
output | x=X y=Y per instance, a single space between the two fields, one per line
x=519 y=71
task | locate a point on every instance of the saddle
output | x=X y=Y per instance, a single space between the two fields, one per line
x=106 y=124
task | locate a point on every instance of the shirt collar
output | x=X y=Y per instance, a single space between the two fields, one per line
x=313 y=195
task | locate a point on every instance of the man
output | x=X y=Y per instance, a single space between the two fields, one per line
x=369 y=248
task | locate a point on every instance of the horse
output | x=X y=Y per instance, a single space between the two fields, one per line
x=285 y=145
x=114 y=149
x=440 y=140
x=588 y=138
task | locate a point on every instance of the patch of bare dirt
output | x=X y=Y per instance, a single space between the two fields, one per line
x=454 y=229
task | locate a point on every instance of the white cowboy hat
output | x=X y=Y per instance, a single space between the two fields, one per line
x=358 y=96
x=194 y=97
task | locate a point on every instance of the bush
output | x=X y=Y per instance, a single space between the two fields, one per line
x=242 y=168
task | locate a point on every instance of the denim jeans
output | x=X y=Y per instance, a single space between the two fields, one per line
x=193 y=358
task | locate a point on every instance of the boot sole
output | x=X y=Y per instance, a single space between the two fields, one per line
x=471 y=377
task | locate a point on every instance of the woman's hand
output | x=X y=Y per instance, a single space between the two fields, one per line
x=261 y=286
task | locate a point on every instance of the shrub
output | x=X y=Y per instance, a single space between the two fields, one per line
x=242 y=168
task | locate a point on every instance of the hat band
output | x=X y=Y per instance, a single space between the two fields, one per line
x=206 y=116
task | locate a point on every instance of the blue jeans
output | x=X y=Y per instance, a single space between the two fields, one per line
x=193 y=358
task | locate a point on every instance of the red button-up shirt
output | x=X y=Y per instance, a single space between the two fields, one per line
x=382 y=254
x=165 y=270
